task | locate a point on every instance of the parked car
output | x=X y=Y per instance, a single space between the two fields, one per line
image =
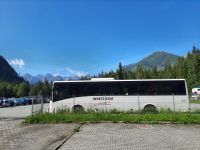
x=7 y=103
x=195 y=96
x=196 y=93
x=12 y=101
x=28 y=100
x=20 y=101
x=1 y=102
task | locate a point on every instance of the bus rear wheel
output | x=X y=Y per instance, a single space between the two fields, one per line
x=78 y=109
x=149 y=109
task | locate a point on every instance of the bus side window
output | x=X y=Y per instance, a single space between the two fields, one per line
x=125 y=91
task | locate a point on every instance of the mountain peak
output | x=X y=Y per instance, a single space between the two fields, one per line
x=158 y=58
x=162 y=53
x=49 y=77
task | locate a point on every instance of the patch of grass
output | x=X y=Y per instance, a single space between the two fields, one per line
x=184 y=118
x=195 y=101
x=63 y=111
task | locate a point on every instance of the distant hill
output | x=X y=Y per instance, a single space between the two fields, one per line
x=7 y=73
x=158 y=59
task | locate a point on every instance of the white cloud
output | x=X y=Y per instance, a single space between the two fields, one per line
x=17 y=62
x=77 y=73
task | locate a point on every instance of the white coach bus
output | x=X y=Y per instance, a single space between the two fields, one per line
x=123 y=95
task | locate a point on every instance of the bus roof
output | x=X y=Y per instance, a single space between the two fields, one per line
x=111 y=80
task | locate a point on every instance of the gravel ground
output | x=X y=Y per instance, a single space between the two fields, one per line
x=15 y=136
x=20 y=111
x=120 y=136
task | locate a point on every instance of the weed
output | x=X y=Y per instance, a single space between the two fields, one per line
x=179 y=117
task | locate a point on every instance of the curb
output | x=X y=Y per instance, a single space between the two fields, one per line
x=68 y=137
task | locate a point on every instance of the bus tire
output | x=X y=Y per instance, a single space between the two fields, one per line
x=149 y=108
x=78 y=108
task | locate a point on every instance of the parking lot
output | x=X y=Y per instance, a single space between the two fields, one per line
x=16 y=136
x=97 y=136
x=110 y=136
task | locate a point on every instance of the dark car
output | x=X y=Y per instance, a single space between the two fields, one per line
x=20 y=101
x=28 y=100
x=12 y=101
x=1 y=102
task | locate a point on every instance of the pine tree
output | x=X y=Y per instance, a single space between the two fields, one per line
x=120 y=71
x=193 y=60
x=154 y=72
x=139 y=72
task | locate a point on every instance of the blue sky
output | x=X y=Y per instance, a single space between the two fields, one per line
x=87 y=36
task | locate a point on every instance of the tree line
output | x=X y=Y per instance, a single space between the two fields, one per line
x=25 y=89
x=186 y=67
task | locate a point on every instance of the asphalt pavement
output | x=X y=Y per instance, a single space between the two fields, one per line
x=20 y=111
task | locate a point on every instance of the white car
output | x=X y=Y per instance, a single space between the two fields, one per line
x=195 y=96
